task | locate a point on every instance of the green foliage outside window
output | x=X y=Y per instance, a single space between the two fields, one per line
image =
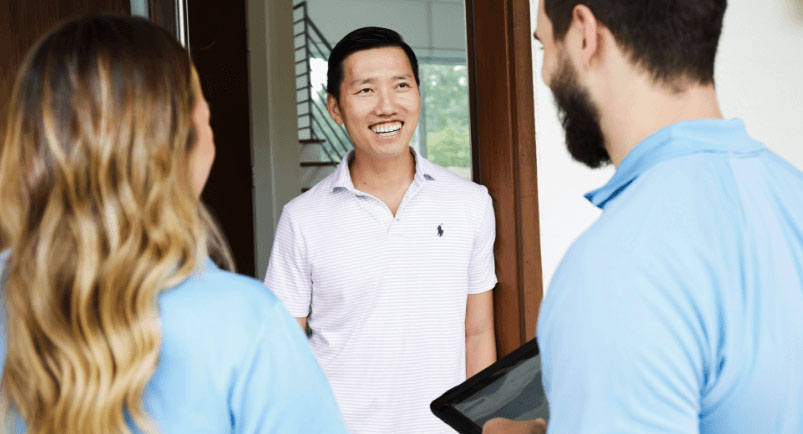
x=447 y=116
x=449 y=147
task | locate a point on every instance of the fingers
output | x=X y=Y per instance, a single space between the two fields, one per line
x=495 y=426
x=506 y=426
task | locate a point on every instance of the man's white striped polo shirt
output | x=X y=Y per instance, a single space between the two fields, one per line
x=385 y=296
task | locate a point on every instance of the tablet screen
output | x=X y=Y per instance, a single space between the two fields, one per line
x=510 y=388
x=516 y=395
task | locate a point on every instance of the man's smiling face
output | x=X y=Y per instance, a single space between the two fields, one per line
x=379 y=102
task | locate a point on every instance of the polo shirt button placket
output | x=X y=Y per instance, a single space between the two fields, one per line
x=386 y=216
x=391 y=226
x=396 y=221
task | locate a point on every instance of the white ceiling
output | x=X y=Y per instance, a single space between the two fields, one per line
x=435 y=29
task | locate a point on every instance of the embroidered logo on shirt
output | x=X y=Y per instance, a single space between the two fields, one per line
x=440 y=230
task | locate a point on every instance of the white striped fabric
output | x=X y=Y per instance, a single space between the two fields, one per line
x=385 y=296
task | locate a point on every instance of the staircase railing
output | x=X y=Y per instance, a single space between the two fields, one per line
x=315 y=126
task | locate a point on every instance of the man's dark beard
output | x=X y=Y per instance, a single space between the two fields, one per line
x=579 y=117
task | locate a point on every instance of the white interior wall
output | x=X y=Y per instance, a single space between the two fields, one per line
x=758 y=77
x=274 y=137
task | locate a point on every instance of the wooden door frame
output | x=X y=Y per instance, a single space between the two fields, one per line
x=499 y=49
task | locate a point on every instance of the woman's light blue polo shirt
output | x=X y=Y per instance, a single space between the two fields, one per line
x=680 y=310
x=233 y=361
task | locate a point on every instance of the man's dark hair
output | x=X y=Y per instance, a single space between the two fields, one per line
x=365 y=38
x=674 y=40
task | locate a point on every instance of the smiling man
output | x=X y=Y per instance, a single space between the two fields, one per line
x=389 y=260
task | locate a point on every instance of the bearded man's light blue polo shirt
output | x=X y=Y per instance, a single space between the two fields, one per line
x=680 y=310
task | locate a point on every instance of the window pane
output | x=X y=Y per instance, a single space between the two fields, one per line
x=444 y=136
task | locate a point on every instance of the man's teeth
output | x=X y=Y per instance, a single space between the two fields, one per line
x=387 y=130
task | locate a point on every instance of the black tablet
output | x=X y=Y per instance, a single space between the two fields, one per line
x=509 y=388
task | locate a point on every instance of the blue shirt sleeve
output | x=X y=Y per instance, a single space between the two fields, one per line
x=280 y=388
x=624 y=349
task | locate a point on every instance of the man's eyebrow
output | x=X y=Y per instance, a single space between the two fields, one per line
x=403 y=77
x=361 y=81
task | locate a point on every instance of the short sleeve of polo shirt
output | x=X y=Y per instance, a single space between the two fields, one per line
x=621 y=351
x=481 y=272
x=288 y=274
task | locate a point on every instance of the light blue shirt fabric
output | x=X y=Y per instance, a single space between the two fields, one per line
x=680 y=310
x=234 y=361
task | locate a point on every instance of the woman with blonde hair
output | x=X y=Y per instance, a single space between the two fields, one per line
x=114 y=318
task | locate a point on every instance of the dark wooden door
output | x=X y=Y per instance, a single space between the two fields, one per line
x=24 y=22
x=219 y=47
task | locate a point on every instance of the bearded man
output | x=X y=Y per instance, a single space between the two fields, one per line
x=680 y=310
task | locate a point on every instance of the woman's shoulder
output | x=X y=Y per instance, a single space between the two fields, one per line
x=217 y=303
x=211 y=286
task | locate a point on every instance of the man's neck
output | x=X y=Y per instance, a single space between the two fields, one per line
x=386 y=178
x=640 y=108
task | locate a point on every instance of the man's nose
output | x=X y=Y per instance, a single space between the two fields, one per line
x=385 y=104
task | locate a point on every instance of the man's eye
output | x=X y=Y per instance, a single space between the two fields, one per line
x=366 y=90
x=404 y=85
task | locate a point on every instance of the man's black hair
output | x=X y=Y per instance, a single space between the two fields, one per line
x=674 y=40
x=365 y=38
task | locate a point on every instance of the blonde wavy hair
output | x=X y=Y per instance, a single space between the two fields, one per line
x=100 y=216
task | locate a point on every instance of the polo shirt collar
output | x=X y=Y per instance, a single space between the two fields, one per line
x=342 y=179
x=676 y=140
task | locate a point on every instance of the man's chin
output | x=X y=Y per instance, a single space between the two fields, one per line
x=580 y=118
x=385 y=151
x=395 y=148
x=592 y=155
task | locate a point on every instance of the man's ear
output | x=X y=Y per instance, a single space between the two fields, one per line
x=586 y=30
x=334 y=109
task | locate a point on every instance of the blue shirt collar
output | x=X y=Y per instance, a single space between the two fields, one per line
x=342 y=179
x=3 y=257
x=676 y=140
